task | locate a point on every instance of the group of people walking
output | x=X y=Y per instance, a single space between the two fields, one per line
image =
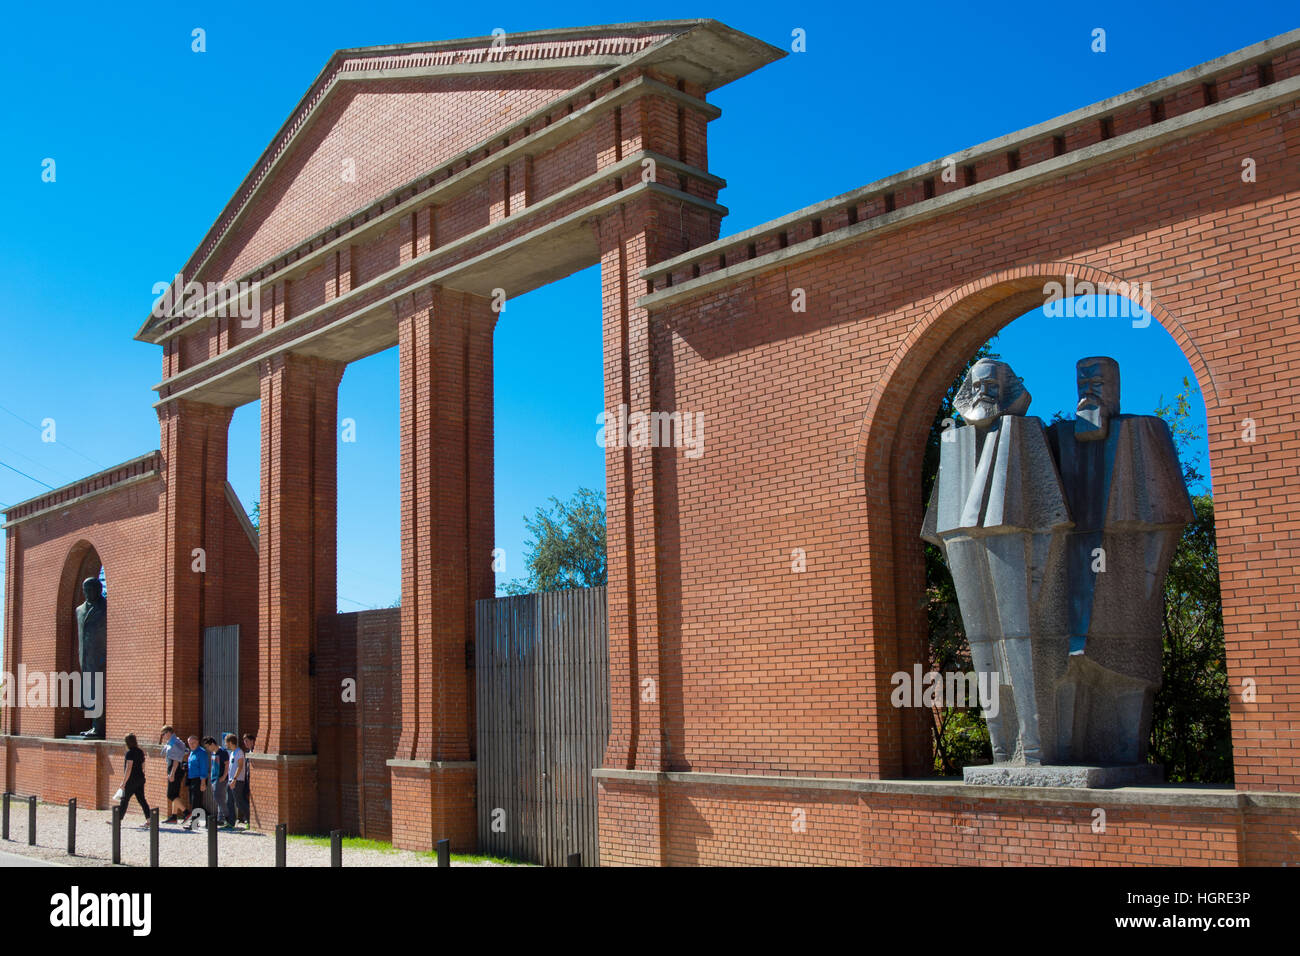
x=213 y=775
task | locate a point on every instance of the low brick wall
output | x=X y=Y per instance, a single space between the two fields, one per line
x=57 y=770
x=686 y=819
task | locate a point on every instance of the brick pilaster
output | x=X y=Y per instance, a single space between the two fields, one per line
x=193 y=442
x=445 y=373
x=298 y=543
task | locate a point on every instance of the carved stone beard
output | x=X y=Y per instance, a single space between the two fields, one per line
x=981 y=413
x=1092 y=419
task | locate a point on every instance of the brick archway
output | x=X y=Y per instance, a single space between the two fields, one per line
x=83 y=561
x=891 y=446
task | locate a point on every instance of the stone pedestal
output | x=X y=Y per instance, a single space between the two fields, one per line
x=1077 y=776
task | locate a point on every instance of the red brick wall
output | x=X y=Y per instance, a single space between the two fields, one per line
x=125 y=528
x=357 y=739
x=721 y=824
x=393 y=131
x=815 y=426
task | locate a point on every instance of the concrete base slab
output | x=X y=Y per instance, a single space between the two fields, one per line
x=1043 y=775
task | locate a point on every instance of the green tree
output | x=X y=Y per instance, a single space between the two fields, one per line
x=1191 y=731
x=567 y=547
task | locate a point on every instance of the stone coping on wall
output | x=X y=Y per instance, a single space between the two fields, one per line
x=431 y=764
x=915 y=194
x=61 y=741
x=110 y=479
x=1172 y=796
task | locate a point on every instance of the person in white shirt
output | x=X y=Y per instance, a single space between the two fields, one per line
x=236 y=785
x=173 y=748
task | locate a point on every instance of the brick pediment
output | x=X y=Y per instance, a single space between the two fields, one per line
x=380 y=118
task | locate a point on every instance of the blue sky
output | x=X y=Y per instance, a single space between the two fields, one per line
x=151 y=139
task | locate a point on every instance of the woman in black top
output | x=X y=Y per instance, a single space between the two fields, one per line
x=133 y=779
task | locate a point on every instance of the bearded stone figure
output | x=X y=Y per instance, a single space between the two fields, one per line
x=1129 y=503
x=1059 y=541
x=999 y=515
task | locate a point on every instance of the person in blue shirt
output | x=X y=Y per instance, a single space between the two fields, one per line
x=196 y=778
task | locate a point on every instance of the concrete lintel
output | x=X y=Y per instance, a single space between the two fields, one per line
x=548 y=235
x=1168 y=795
x=1136 y=141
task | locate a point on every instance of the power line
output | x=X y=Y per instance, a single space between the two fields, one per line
x=25 y=475
x=20 y=418
x=28 y=458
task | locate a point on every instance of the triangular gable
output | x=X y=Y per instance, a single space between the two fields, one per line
x=385 y=116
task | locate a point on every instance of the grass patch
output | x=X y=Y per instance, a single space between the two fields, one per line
x=361 y=843
x=478 y=858
x=349 y=842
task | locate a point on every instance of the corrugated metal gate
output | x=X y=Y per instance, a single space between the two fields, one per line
x=220 y=680
x=542 y=677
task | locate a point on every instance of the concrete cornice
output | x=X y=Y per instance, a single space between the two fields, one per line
x=1172 y=796
x=132 y=472
x=254 y=351
x=1145 y=137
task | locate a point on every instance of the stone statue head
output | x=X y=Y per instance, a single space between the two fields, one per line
x=1098 y=382
x=991 y=390
x=92 y=589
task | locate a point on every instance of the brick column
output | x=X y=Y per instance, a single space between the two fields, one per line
x=11 y=716
x=193 y=440
x=643 y=678
x=445 y=372
x=297 y=577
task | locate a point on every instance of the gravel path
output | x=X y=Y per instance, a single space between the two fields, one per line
x=176 y=845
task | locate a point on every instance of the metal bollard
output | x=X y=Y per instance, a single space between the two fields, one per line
x=5 y=834
x=575 y=859
x=31 y=820
x=211 y=821
x=281 y=838
x=117 y=835
x=153 y=837
x=72 y=827
x=336 y=848
x=444 y=853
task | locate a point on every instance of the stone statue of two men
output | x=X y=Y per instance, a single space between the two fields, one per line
x=1059 y=540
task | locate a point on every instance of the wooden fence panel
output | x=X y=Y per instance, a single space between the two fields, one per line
x=542 y=671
